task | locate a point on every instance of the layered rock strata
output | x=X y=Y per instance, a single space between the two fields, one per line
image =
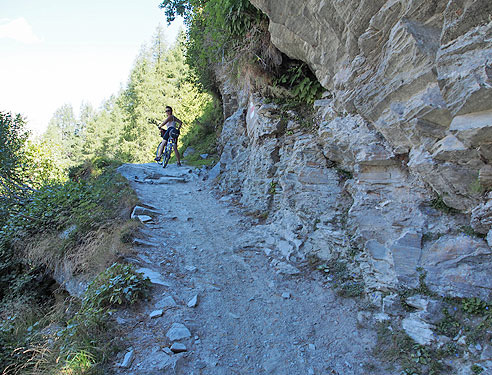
x=406 y=121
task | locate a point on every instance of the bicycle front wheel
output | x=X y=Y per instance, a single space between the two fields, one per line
x=166 y=156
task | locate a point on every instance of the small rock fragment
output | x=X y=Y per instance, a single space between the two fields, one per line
x=166 y=303
x=178 y=332
x=167 y=350
x=155 y=277
x=156 y=314
x=190 y=268
x=193 y=302
x=286 y=269
x=178 y=347
x=127 y=361
x=144 y=218
x=286 y=295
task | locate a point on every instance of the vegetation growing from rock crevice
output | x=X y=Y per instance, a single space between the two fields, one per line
x=234 y=34
x=218 y=30
x=303 y=86
x=462 y=326
x=345 y=282
x=395 y=346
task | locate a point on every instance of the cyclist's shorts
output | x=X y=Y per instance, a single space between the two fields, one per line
x=173 y=132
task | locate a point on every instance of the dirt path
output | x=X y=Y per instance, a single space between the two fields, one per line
x=254 y=314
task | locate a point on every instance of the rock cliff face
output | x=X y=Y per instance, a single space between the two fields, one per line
x=407 y=119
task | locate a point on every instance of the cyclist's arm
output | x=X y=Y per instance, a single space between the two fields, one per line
x=178 y=121
x=164 y=123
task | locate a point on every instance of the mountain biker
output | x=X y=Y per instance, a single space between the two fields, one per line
x=172 y=130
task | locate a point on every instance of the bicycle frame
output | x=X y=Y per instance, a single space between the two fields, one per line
x=167 y=152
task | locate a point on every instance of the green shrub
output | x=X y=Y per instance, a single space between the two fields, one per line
x=439 y=204
x=304 y=86
x=475 y=306
x=476 y=369
x=86 y=203
x=119 y=284
x=217 y=30
x=351 y=289
x=202 y=135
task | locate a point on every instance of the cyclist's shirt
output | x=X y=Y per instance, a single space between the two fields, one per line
x=171 y=129
x=172 y=124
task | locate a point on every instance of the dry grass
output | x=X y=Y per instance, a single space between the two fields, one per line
x=99 y=249
x=89 y=256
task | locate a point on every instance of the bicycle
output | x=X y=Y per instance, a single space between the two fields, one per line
x=168 y=150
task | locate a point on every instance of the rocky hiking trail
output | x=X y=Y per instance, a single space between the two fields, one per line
x=222 y=300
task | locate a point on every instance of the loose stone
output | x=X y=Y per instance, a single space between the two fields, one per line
x=166 y=303
x=193 y=302
x=178 y=332
x=178 y=347
x=167 y=350
x=156 y=314
x=127 y=361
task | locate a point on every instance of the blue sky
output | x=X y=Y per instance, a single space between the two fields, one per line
x=57 y=52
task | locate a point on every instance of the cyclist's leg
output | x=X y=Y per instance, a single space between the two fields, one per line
x=158 y=153
x=176 y=152
x=165 y=137
x=162 y=147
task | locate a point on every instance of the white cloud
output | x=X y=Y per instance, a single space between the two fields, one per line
x=19 y=30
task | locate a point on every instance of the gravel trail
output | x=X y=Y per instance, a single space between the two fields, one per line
x=253 y=313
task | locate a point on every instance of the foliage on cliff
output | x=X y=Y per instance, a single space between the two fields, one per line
x=218 y=31
x=234 y=34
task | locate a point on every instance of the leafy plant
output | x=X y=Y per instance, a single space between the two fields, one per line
x=79 y=340
x=345 y=284
x=449 y=325
x=394 y=345
x=119 y=284
x=439 y=204
x=302 y=83
x=351 y=289
x=476 y=369
x=475 y=306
